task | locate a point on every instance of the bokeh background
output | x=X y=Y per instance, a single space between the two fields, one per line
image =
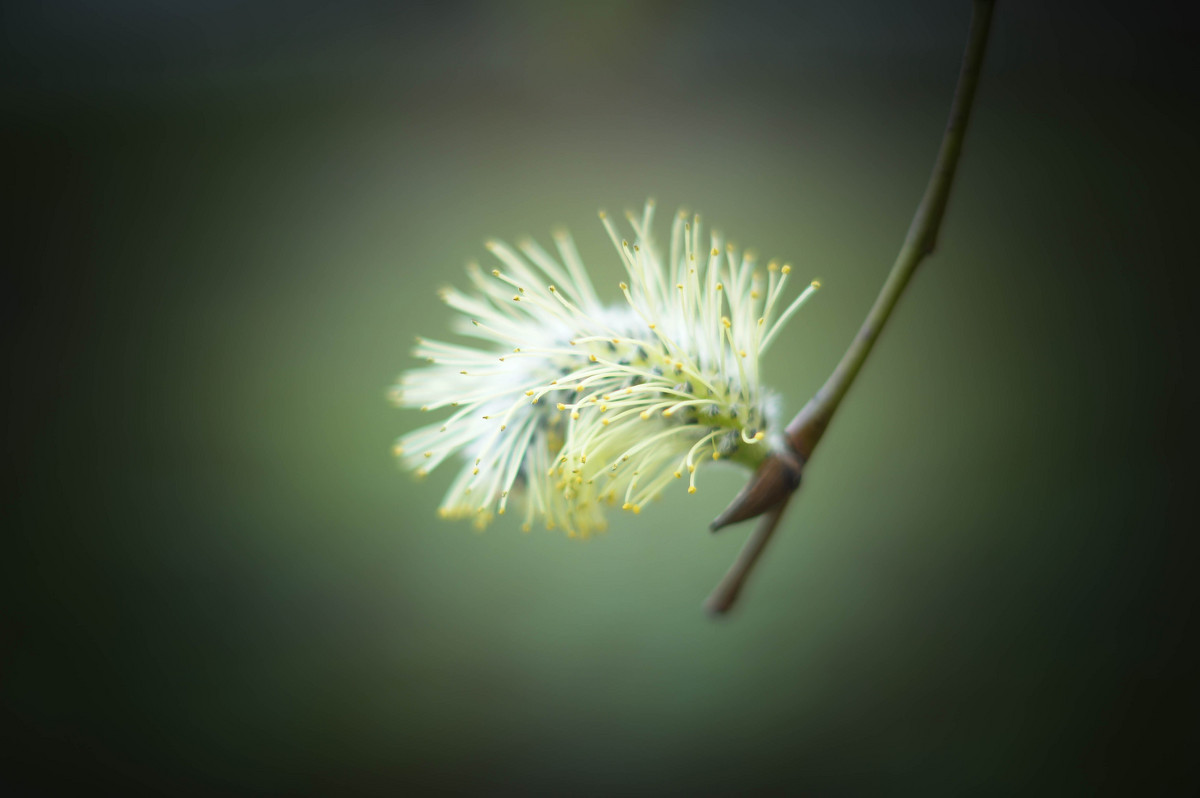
x=228 y=220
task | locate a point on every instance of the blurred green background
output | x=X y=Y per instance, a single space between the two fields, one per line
x=227 y=223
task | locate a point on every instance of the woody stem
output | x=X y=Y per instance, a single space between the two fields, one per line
x=808 y=427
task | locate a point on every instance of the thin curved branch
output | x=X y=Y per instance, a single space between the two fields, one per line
x=767 y=492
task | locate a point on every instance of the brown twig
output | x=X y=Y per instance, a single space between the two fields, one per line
x=772 y=486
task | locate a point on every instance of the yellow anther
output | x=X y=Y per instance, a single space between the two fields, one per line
x=787 y=269
x=716 y=455
x=561 y=406
x=644 y=415
x=726 y=322
x=593 y=358
x=429 y=454
x=816 y=283
x=574 y=414
x=773 y=266
x=716 y=251
x=579 y=389
x=720 y=286
x=678 y=475
x=605 y=421
x=623 y=286
x=691 y=488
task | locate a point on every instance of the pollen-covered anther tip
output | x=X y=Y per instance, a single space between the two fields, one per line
x=715 y=251
x=720 y=287
x=691 y=488
x=561 y=406
x=624 y=286
x=574 y=415
x=786 y=269
x=593 y=358
x=678 y=475
x=816 y=284
x=495 y=272
x=529 y=393
x=725 y=321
